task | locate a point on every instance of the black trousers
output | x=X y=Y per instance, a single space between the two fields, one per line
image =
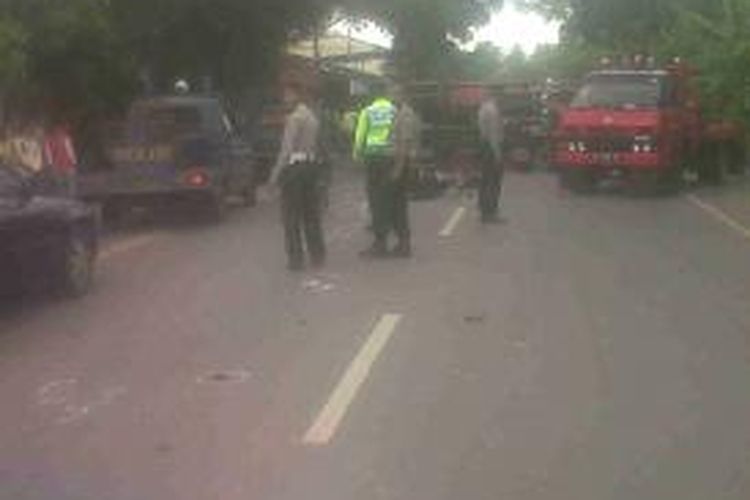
x=301 y=206
x=389 y=201
x=491 y=182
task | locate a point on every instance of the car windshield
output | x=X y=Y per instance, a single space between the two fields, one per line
x=624 y=92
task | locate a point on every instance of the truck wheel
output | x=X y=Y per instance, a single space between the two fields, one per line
x=672 y=181
x=646 y=184
x=77 y=266
x=578 y=181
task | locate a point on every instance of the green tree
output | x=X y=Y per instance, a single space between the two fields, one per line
x=86 y=58
x=234 y=42
x=711 y=35
x=481 y=64
x=12 y=52
x=424 y=29
x=718 y=43
x=67 y=62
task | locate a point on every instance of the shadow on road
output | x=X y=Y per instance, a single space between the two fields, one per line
x=172 y=217
x=15 y=305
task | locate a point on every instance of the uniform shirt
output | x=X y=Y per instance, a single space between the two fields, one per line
x=407 y=132
x=491 y=127
x=375 y=129
x=300 y=142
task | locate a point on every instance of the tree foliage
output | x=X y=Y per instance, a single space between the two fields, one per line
x=12 y=52
x=424 y=29
x=81 y=58
x=718 y=43
x=234 y=42
x=711 y=35
x=86 y=58
x=63 y=58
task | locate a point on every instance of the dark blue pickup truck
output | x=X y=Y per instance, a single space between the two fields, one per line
x=170 y=149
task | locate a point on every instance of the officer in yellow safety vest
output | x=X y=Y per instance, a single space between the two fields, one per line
x=373 y=145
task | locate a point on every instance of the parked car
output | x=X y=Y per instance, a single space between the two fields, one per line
x=44 y=239
x=172 y=149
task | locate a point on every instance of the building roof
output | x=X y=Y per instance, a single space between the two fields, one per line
x=334 y=45
x=344 y=52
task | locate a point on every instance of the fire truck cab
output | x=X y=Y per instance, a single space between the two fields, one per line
x=638 y=124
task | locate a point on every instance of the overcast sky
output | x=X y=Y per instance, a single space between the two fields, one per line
x=508 y=28
x=511 y=27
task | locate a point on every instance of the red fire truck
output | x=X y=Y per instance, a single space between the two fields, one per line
x=640 y=125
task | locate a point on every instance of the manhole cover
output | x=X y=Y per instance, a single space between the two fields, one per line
x=226 y=377
x=474 y=318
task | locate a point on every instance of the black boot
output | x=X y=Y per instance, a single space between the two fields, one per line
x=378 y=250
x=402 y=250
x=295 y=265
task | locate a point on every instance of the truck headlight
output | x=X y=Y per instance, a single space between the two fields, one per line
x=644 y=144
x=577 y=147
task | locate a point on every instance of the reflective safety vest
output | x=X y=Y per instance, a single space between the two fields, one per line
x=374 y=135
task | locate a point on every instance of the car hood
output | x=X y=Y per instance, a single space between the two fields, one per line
x=62 y=207
x=610 y=119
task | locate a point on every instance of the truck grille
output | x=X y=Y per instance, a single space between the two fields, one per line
x=609 y=144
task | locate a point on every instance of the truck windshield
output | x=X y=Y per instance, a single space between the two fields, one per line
x=622 y=92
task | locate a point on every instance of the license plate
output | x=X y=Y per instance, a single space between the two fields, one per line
x=141 y=183
x=607 y=158
x=143 y=155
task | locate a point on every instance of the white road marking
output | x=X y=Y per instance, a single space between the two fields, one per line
x=721 y=216
x=125 y=246
x=453 y=222
x=328 y=421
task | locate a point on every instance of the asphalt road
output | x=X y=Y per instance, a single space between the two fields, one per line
x=592 y=348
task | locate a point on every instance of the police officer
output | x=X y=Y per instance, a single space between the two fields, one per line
x=297 y=172
x=492 y=136
x=373 y=145
x=407 y=131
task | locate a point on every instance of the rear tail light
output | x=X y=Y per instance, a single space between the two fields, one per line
x=196 y=178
